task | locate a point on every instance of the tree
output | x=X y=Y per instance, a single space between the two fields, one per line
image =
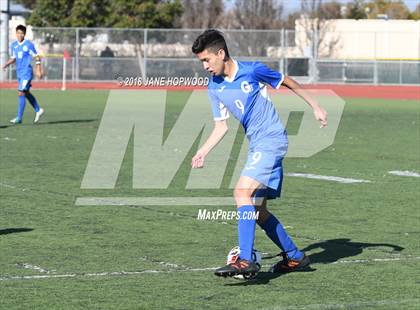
x=416 y=13
x=392 y=9
x=317 y=22
x=395 y=9
x=290 y=22
x=106 y=13
x=314 y=9
x=257 y=14
x=89 y=13
x=29 y=4
x=143 y=13
x=202 y=14
x=330 y=10
x=253 y=14
x=51 y=13
x=356 y=10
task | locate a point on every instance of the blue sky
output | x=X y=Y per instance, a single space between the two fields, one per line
x=293 y=5
x=289 y=5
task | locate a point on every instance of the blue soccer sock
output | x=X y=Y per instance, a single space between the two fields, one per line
x=276 y=232
x=21 y=107
x=33 y=101
x=246 y=231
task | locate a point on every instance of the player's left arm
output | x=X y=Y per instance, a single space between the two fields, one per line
x=275 y=79
x=38 y=68
x=319 y=112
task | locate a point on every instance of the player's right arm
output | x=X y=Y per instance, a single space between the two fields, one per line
x=220 y=116
x=12 y=58
x=9 y=62
x=219 y=131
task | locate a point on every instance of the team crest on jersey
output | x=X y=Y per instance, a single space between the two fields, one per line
x=246 y=87
x=25 y=48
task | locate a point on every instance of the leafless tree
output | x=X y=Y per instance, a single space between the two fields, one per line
x=317 y=21
x=257 y=14
x=254 y=14
x=202 y=14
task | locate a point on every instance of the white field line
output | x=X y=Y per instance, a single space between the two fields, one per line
x=33 y=190
x=405 y=173
x=11 y=186
x=327 y=178
x=182 y=201
x=166 y=264
x=361 y=304
x=33 y=267
x=154 y=201
x=199 y=201
x=375 y=260
x=102 y=274
x=142 y=272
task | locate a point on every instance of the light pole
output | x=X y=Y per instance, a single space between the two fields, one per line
x=4 y=35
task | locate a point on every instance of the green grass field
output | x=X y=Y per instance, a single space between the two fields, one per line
x=363 y=238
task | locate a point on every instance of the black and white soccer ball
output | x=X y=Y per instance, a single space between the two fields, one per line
x=233 y=256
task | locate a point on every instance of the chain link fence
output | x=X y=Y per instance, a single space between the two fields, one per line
x=103 y=54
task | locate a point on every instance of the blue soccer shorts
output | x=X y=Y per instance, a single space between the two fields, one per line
x=24 y=84
x=264 y=164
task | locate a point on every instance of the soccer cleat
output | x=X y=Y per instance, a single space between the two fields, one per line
x=289 y=265
x=16 y=121
x=241 y=267
x=38 y=115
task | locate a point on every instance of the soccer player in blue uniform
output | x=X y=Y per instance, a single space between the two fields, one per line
x=22 y=52
x=240 y=88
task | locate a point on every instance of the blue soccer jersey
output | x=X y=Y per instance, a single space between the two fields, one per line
x=23 y=53
x=246 y=97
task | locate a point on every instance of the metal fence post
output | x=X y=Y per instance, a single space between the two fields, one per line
x=4 y=36
x=315 y=57
x=145 y=53
x=282 y=49
x=72 y=69
x=375 y=64
x=375 y=72
x=400 y=80
x=343 y=71
x=77 y=54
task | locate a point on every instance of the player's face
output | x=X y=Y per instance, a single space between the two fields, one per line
x=213 y=62
x=20 y=35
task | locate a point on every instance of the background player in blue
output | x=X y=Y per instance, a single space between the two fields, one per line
x=239 y=88
x=22 y=52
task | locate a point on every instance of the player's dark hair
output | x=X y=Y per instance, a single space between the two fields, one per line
x=212 y=40
x=21 y=28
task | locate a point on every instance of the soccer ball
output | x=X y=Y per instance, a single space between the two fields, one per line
x=233 y=256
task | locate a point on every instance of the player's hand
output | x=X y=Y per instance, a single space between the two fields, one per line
x=38 y=71
x=321 y=116
x=198 y=160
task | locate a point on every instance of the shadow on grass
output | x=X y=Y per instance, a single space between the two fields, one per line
x=14 y=230
x=336 y=249
x=332 y=251
x=69 y=121
x=265 y=277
